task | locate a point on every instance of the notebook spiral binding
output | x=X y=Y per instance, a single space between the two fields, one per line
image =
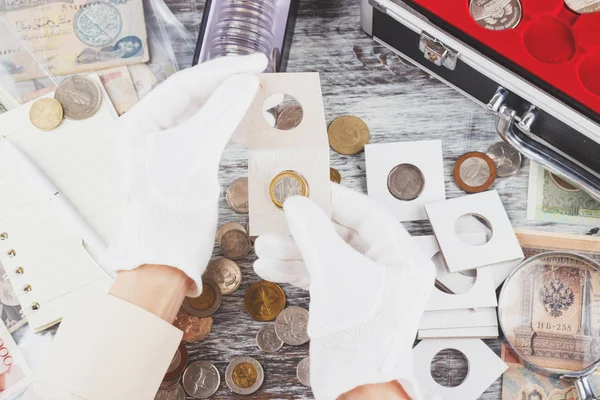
x=12 y=253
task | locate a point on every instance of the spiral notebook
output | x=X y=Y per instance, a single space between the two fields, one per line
x=41 y=250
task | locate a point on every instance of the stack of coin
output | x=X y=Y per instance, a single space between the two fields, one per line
x=237 y=195
x=201 y=379
x=207 y=303
x=194 y=329
x=79 y=96
x=303 y=371
x=291 y=326
x=286 y=184
x=264 y=301
x=267 y=340
x=176 y=368
x=348 y=135
x=474 y=172
x=225 y=273
x=506 y=158
x=244 y=375
x=234 y=241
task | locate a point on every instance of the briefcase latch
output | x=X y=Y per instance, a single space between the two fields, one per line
x=437 y=52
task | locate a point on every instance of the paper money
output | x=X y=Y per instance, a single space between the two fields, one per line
x=7 y=101
x=10 y=309
x=552 y=200
x=48 y=37
x=15 y=374
x=143 y=79
x=119 y=86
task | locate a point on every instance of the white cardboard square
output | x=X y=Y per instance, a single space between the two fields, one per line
x=381 y=158
x=478 y=332
x=465 y=318
x=503 y=245
x=484 y=368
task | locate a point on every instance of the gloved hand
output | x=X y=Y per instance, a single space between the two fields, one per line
x=365 y=308
x=170 y=145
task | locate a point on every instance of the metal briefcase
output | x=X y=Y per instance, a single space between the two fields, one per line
x=547 y=107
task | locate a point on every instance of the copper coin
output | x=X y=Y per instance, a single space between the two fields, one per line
x=348 y=135
x=289 y=118
x=177 y=364
x=226 y=227
x=237 y=195
x=225 y=273
x=334 y=175
x=563 y=183
x=264 y=301
x=207 y=303
x=235 y=244
x=474 y=172
x=194 y=329
x=168 y=384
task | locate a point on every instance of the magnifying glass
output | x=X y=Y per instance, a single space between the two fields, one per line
x=549 y=311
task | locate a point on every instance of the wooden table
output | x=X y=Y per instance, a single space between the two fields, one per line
x=399 y=103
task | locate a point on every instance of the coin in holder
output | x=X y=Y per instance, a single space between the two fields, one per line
x=406 y=182
x=287 y=184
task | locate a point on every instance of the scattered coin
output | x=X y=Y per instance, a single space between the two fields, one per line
x=496 y=15
x=244 y=375
x=507 y=159
x=80 y=97
x=267 y=340
x=225 y=273
x=583 y=6
x=287 y=184
x=177 y=363
x=563 y=183
x=235 y=244
x=168 y=384
x=201 y=379
x=264 y=301
x=194 y=329
x=289 y=118
x=474 y=172
x=348 y=135
x=207 y=303
x=226 y=227
x=406 y=182
x=303 y=371
x=46 y=114
x=291 y=326
x=334 y=175
x=174 y=393
x=237 y=195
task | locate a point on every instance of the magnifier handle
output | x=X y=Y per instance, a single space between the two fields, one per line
x=584 y=389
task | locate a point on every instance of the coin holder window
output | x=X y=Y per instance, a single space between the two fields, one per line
x=503 y=246
x=484 y=368
x=382 y=158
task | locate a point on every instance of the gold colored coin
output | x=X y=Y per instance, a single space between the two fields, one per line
x=244 y=375
x=334 y=175
x=207 y=303
x=348 y=135
x=46 y=114
x=287 y=184
x=264 y=301
x=205 y=300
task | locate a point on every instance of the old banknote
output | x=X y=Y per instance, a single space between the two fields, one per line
x=10 y=309
x=552 y=199
x=120 y=88
x=49 y=37
x=15 y=374
x=143 y=79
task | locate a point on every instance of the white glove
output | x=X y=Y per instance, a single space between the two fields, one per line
x=171 y=145
x=365 y=308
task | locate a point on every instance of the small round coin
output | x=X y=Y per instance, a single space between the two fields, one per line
x=264 y=301
x=496 y=15
x=226 y=227
x=303 y=371
x=507 y=159
x=291 y=326
x=46 y=114
x=267 y=340
x=563 y=183
x=225 y=273
x=244 y=375
x=235 y=244
x=174 y=393
x=348 y=135
x=201 y=379
x=237 y=196
x=334 y=175
x=289 y=118
x=287 y=184
x=207 y=303
x=177 y=363
x=80 y=97
x=194 y=329
x=474 y=172
x=406 y=182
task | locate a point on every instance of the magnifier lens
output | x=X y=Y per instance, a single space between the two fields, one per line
x=549 y=311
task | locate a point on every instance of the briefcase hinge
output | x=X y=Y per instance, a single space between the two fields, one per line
x=437 y=52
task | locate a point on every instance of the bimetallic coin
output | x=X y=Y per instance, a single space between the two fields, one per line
x=563 y=183
x=264 y=301
x=583 y=6
x=237 y=195
x=235 y=244
x=226 y=227
x=267 y=340
x=46 y=114
x=474 y=172
x=334 y=175
x=174 y=393
x=201 y=379
x=80 y=97
x=348 y=135
x=244 y=375
x=303 y=371
x=496 y=15
x=289 y=118
x=405 y=182
x=225 y=273
x=507 y=159
x=207 y=303
x=194 y=328
x=287 y=184
x=177 y=363
x=291 y=326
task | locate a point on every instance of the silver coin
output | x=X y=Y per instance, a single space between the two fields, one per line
x=583 y=6
x=289 y=118
x=174 y=393
x=267 y=340
x=291 y=326
x=201 y=379
x=207 y=303
x=406 y=182
x=225 y=273
x=474 y=171
x=303 y=371
x=507 y=159
x=79 y=96
x=496 y=15
x=237 y=195
x=236 y=244
x=244 y=375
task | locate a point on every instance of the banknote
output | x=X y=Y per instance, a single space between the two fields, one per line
x=15 y=374
x=10 y=309
x=552 y=199
x=49 y=37
x=119 y=86
x=143 y=79
x=7 y=101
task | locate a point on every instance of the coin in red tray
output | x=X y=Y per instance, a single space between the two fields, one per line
x=496 y=15
x=583 y=6
x=474 y=172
